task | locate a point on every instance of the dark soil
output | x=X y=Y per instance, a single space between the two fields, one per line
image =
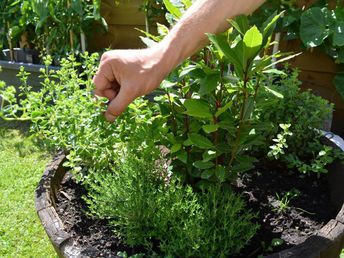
x=92 y=234
x=303 y=216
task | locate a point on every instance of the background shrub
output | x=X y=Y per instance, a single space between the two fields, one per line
x=291 y=124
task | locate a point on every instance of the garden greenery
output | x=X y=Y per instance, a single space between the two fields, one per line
x=319 y=25
x=214 y=113
x=145 y=206
x=52 y=27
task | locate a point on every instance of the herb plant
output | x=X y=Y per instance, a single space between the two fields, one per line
x=65 y=115
x=209 y=103
x=213 y=114
x=145 y=208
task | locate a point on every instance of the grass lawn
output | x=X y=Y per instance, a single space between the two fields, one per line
x=21 y=166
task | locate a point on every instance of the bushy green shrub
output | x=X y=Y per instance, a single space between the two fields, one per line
x=145 y=205
x=292 y=124
x=65 y=115
x=302 y=109
x=224 y=229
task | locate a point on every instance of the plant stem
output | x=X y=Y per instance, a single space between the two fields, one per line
x=174 y=123
x=241 y=122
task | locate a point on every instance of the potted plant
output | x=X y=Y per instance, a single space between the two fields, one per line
x=166 y=175
x=53 y=27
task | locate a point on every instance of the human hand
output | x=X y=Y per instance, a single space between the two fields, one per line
x=124 y=75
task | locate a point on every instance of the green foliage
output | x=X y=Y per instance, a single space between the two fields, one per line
x=14 y=20
x=317 y=26
x=58 y=24
x=284 y=200
x=324 y=27
x=53 y=27
x=281 y=142
x=299 y=144
x=320 y=159
x=145 y=204
x=209 y=103
x=65 y=114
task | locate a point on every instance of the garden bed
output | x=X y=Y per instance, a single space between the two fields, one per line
x=306 y=225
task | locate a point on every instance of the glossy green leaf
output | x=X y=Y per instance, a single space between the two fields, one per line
x=183 y=156
x=203 y=165
x=274 y=71
x=208 y=155
x=187 y=142
x=223 y=109
x=207 y=174
x=208 y=84
x=240 y=23
x=248 y=109
x=269 y=26
x=192 y=70
x=172 y=9
x=253 y=40
x=227 y=125
x=314 y=26
x=273 y=92
x=220 y=173
x=176 y=147
x=223 y=148
x=167 y=84
x=210 y=128
x=197 y=108
x=282 y=60
x=200 y=141
x=243 y=164
x=221 y=44
x=338 y=34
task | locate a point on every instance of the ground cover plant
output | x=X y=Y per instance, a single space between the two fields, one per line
x=21 y=166
x=163 y=172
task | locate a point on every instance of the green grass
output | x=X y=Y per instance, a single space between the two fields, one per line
x=21 y=166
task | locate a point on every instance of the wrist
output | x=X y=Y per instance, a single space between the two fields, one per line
x=168 y=57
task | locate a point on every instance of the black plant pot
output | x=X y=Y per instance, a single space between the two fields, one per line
x=20 y=55
x=9 y=71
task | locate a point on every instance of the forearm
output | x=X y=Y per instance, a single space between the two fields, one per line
x=188 y=35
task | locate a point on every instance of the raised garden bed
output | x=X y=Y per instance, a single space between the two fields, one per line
x=73 y=234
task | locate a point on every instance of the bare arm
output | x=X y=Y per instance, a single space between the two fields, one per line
x=124 y=75
x=205 y=16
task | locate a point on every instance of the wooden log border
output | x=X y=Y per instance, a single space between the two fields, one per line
x=327 y=243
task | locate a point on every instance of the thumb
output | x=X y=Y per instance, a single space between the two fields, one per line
x=118 y=104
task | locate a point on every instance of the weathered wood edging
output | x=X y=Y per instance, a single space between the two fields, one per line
x=327 y=243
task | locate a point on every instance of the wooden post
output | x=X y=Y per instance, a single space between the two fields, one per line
x=10 y=43
x=71 y=34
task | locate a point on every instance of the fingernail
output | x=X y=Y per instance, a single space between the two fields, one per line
x=110 y=117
